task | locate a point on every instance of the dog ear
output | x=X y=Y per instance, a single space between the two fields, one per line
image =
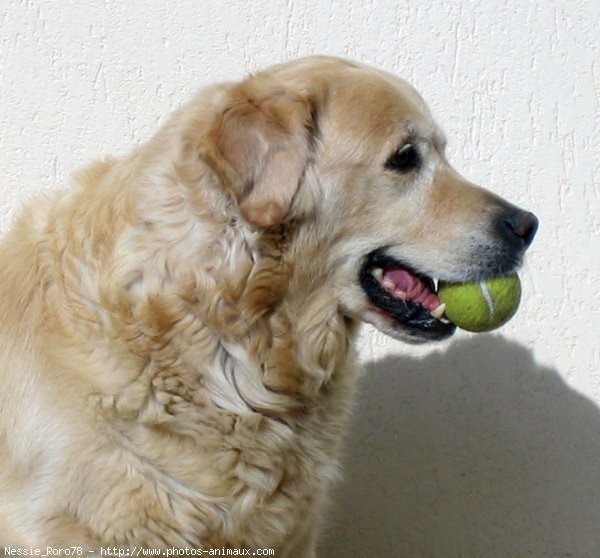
x=264 y=136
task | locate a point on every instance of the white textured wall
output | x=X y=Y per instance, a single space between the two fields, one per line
x=493 y=447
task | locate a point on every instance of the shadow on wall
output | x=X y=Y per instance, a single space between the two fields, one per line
x=473 y=452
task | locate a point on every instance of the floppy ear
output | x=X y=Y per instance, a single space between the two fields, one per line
x=264 y=136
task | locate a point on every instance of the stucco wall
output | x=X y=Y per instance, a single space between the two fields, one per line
x=490 y=444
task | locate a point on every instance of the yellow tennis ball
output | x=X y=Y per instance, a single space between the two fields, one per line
x=483 y=305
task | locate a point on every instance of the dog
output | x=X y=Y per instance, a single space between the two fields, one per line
x=176 y=346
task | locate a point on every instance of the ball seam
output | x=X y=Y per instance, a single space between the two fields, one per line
x=490 y=302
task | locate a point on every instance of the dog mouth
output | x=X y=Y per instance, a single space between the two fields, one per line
x=405 y=297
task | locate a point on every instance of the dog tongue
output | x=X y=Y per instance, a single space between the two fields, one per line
x=410 y=287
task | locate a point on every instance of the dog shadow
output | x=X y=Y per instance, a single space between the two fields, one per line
x=476 y=451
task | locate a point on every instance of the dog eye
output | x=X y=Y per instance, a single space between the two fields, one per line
x=405 y=159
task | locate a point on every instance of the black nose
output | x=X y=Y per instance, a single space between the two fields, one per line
x=519 y=226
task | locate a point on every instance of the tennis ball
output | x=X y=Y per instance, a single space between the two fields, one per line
x=481 y=306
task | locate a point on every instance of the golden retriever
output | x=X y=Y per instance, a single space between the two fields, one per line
x=176 y=342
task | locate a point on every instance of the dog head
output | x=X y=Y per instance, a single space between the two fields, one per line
x=350 y=159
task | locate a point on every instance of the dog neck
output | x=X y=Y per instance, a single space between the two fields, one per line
x=211 y=311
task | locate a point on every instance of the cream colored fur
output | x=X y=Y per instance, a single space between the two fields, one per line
x=176 y=339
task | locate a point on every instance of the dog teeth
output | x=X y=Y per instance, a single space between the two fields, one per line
x=400 y=294
x=438 y=312
x=377 y=272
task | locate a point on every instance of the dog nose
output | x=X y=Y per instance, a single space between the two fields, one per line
x=520 y=226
